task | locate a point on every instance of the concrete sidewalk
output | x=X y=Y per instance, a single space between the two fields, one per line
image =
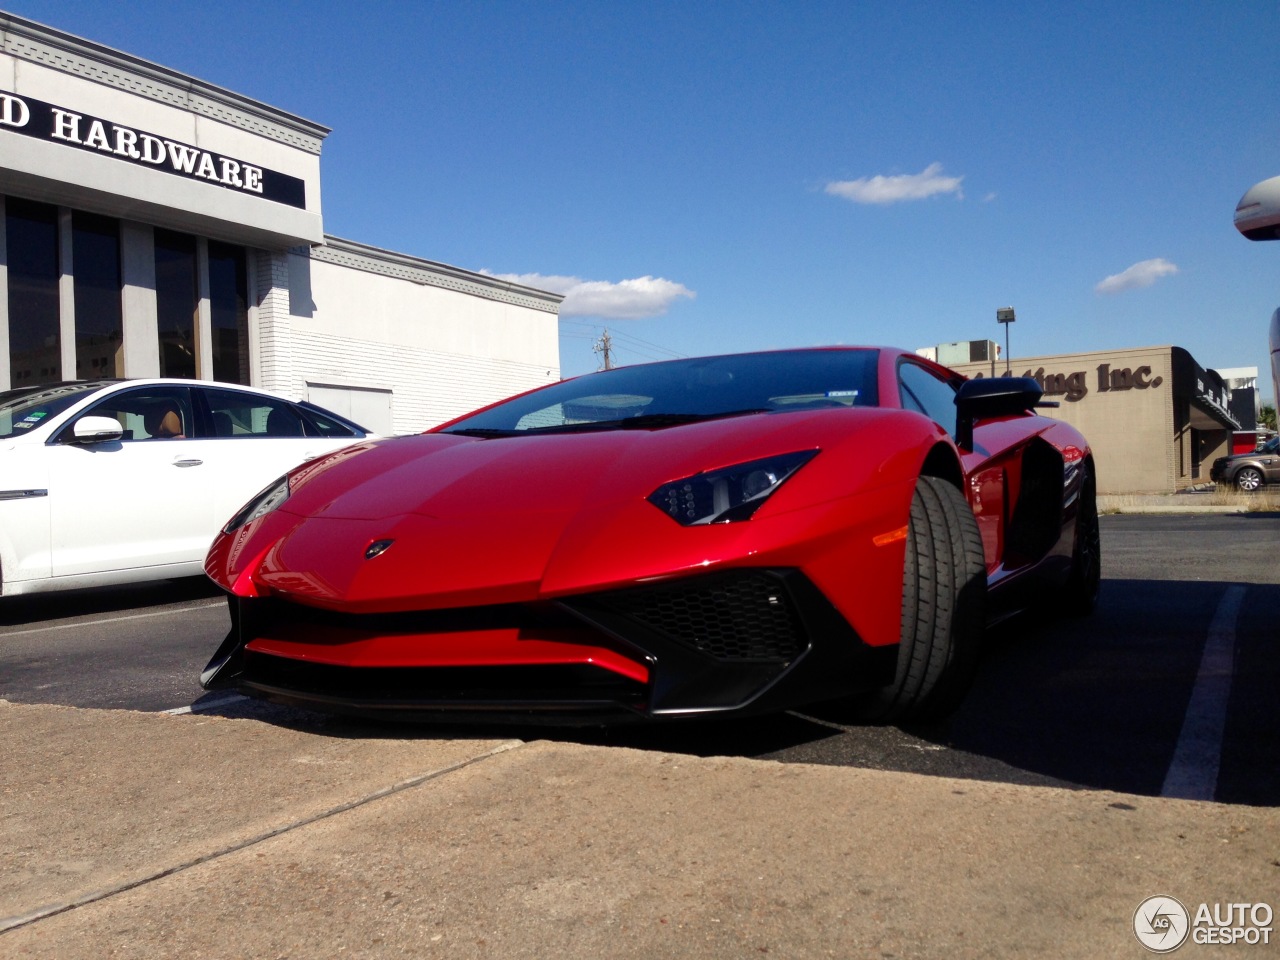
x=1207 y=500
x=139 y=835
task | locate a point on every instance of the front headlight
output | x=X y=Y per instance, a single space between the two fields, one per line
x=729 y=494
x=266 y=501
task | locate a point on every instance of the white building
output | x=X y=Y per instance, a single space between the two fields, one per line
x=157 y=225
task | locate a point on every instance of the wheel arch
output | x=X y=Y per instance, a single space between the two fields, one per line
x=942 y=462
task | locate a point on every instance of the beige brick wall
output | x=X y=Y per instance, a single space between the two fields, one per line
x=1131 y=430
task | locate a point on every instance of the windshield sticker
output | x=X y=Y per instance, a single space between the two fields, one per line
x=842 y=393
x=23 y=425
x=34 y=417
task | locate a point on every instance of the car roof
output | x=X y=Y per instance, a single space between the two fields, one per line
x=19 y=392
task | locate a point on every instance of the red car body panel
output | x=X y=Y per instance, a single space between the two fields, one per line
x=539 y=517
x=537 y=522
x=470 y=648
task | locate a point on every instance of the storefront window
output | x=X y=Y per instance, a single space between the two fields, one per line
x=177 y=302
x=229 y=309
x=35 y=343
x=95 y=260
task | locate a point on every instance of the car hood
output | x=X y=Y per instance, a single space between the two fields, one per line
x=482 y=521
x=1251 y=455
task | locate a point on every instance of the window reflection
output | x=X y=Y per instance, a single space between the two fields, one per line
x=228 y=304
x=35 y=343
x=177 y=301
x=95 y=260
x=34 y=268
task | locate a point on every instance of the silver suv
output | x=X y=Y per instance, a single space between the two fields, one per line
x=1249 y=471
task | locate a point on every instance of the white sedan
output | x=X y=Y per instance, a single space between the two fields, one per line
x=119 y=481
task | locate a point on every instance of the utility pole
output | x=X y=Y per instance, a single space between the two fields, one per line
x=604 y=347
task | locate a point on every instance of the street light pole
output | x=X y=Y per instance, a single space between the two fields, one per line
x=1006 y=316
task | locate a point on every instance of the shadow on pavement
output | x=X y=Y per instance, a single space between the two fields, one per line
x=41 y=607
x=1092 y=703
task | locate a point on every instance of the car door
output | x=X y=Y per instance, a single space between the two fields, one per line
x=256 y=438
x=925 y=392
x=140 y=501
x=1014 y=480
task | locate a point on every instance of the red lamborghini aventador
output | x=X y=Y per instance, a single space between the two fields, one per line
x=720 y=535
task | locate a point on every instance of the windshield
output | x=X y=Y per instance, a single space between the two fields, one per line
x=681 y=391
x=1271 y=446
x=26 y=408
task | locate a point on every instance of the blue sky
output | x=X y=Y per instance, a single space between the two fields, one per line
x=711 y=177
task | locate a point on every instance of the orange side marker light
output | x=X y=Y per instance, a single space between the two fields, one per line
x=893 y=536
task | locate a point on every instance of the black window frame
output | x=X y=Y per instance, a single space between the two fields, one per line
x=925 y=409
x=310 y=429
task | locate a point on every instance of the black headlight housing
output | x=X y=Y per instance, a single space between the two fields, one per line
x=263 y=503
x=729 y=494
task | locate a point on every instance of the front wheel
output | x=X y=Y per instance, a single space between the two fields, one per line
x=943 y=588
x=1249 y=479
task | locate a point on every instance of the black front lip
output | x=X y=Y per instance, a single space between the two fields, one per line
x=684 y=681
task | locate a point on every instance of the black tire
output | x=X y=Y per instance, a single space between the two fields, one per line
x=944 y=585
x=1249 y=479
x=1081 y=593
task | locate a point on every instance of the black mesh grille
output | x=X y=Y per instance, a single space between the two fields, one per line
x=733 y=617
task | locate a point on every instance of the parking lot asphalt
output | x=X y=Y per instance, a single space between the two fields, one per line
x=151 y=835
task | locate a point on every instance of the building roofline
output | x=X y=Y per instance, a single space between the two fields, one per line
x=362 y=256
x=58 y=50
x=1020 y=360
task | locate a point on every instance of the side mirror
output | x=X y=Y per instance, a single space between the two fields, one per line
x=992 y=397
x=96 y=430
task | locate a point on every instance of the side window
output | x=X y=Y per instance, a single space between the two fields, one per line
x=150 y=413
x=237 y=414
x=322 y=424
x=925 y=393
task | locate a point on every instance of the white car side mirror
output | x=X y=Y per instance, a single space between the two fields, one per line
x=96 y=430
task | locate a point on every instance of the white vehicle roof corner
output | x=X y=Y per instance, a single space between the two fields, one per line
x=1258 y=212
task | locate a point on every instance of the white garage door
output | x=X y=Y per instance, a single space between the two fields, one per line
x=367 y=407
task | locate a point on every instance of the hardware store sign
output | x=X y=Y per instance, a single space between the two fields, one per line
x=45 y=121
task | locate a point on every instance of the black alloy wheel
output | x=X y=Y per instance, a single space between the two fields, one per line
x=944 y=585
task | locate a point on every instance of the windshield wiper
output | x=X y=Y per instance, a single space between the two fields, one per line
x=483 y=433
x=650 y=421
x=645 y=421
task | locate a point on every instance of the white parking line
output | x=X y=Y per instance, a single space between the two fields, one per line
x=1193 y=772
x=97 y=621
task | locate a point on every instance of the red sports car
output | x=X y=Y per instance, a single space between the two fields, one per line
x=722 y=535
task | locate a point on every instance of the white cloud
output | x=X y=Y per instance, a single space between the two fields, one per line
x=539 y=281
x=904 y=186
x=1142 y=274
x=624 y=300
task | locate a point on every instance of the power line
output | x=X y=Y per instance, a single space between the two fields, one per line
x=609 y=343
x=665 y=351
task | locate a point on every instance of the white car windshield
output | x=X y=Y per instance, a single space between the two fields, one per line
x=26 y=408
